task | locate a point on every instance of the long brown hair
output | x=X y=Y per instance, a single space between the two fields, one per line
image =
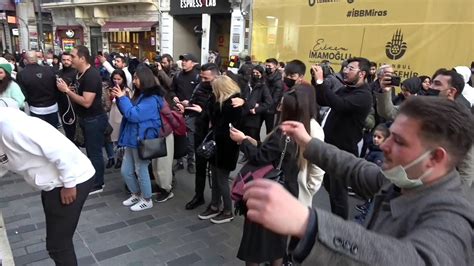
x=299 y=105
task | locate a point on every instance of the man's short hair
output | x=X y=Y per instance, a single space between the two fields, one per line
x=443 y=123
x=295 y=67
x=364 y=64
x=65 y=53
x=83 y=51
x=272 y=61
x=373 y=64
x=456 y=80
x=210 y=67
x=121 y=58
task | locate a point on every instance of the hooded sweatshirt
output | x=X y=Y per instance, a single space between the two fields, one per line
x=468 y=91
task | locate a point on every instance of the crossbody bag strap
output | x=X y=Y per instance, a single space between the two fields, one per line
x=287 y=139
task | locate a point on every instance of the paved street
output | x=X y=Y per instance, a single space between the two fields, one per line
x=110 y=234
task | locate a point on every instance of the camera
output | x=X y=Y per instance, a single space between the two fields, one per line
x=327 y=69
x=395 y=81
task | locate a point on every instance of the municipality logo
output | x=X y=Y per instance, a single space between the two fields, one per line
x=396 y=48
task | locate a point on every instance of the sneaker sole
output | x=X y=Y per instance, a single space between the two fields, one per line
x=228 y=220
x=170 y=196
x=208 y=216
x=142 y=209
x=96 y=191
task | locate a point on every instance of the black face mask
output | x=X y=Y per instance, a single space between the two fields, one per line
x=268 y=70
x=289 y=82
x=206 y=85
x=432 y=92
x=255 y=79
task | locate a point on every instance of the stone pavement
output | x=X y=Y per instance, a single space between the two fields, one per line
x=110 y=234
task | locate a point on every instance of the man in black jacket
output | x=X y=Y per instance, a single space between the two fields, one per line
x=196 y=109
x=182 y=89
x=39 y=86
x=275 y=85
x=350 y=106
x=68 y=74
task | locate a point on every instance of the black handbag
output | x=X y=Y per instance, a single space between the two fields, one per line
x=207 y=149
x=151 y=148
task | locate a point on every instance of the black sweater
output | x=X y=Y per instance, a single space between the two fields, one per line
x=349 y=109
x=38 y=84
x=184 y=84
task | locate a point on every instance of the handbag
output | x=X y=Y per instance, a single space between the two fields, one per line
x=151 y=148
x=207 y=149
x=250 y=172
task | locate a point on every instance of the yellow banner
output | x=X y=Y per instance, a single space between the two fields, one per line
x=415 y=36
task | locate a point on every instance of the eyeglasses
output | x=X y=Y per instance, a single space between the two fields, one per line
x=350 y=68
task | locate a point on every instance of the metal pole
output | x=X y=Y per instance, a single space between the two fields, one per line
x=27 y=30
x=40 y=24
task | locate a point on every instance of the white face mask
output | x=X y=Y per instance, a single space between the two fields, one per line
x=49 y=61
x=398 y=175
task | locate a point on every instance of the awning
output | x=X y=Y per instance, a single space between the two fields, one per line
x=127 y=26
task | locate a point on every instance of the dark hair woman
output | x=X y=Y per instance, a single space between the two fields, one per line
x=117 y=78
x=258 y=244
x=140 y=114
x=8 y=87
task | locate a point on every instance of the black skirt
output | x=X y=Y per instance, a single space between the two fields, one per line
x=260 y=245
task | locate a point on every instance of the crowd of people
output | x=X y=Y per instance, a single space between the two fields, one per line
x=409 y=156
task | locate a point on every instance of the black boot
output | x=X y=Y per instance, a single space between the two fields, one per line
x=118 y=164
x=195 y=202
x=110 y=163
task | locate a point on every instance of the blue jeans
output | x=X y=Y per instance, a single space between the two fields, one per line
x=94 y=138
x=131 y=165
x=52 y=118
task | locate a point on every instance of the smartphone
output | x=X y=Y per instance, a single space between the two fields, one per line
x=395 y=81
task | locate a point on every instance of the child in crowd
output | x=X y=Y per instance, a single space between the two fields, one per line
x=375 y=155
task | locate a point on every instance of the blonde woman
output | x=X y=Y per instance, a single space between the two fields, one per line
x=222 y=115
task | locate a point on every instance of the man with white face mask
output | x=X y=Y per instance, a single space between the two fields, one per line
x=421 y=217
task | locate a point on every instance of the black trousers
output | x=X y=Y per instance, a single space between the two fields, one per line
x=61 y=222
x=337 y=190
x=269 y=120
x=252 y=132
x=201 y=165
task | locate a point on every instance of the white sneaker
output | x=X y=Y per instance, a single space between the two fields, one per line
x=130 y=201
x=142 y=205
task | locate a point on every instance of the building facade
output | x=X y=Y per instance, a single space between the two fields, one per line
x=203 y=26
x=108 y=26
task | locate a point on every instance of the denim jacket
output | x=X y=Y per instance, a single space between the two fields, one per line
x=138 y=117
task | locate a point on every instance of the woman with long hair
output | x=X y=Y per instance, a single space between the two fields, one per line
x=141 y=119
x=222 y=116
x=8 y=87
x=259 y=245
x=119 y=79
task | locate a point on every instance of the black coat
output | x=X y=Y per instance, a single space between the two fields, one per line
x=227 y=151
x=275 y=86
x=258 y=94
x=269 y=151
x=349 y=109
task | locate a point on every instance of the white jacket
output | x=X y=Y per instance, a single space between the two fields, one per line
x=40 y=153
x=311 y=176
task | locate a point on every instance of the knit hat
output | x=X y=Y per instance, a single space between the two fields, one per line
x=413 y=85
x=7 y=67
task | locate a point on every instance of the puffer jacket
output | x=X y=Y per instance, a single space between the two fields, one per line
x=138 y=117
